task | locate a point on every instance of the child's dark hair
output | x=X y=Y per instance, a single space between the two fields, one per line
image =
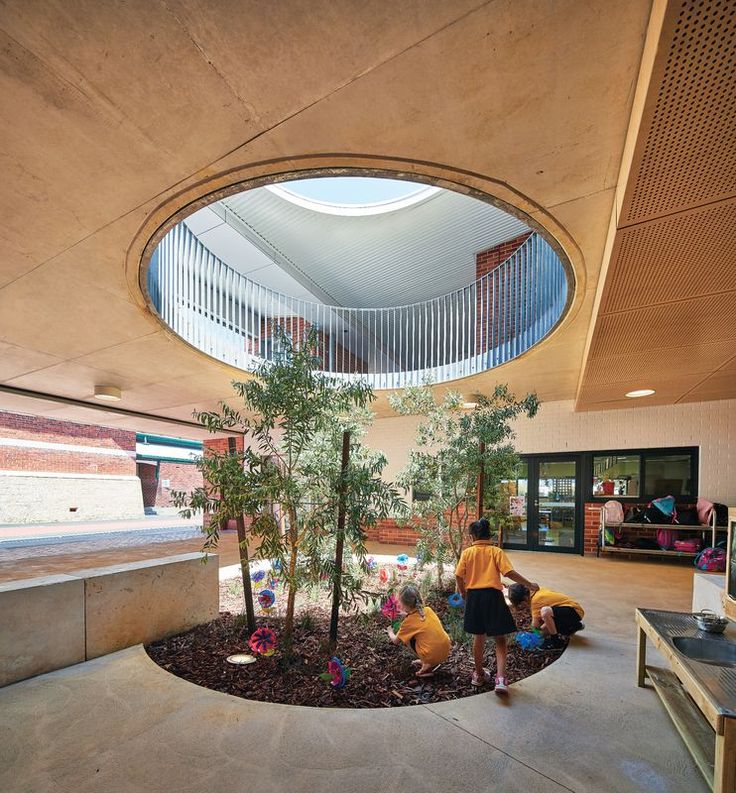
x=518 y=593
x=411 y=597
x=480 y=529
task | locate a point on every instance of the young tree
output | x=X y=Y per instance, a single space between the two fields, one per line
x=293 y=417
x=359 y=489
x=223 y=496
x=454 y=446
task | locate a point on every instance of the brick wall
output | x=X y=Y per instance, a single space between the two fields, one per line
x=180 y=476
x=62 y=471
x=52 y=436
x=485 y=262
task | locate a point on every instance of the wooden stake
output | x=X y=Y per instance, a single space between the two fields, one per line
x=340 y=539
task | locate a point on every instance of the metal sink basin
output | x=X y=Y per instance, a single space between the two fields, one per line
x=719 y=652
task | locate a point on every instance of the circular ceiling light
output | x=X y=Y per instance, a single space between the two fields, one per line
x=108 y=393
x=642 y=392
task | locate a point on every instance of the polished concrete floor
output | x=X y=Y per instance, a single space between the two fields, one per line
x=120 y=723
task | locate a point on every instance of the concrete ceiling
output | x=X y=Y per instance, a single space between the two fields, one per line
x=117 y=116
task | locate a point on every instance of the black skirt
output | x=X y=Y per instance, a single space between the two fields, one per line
x=486 y=612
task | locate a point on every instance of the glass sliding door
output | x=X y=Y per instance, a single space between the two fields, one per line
x=556 y=504
x=545 y=506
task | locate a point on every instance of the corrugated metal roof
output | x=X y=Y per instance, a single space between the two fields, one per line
x=415 y=253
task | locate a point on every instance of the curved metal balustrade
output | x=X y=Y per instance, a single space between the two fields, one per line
x=230 y=317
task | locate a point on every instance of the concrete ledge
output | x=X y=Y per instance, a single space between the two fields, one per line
x=143 y=601
x=56 y=621
x=41 y=626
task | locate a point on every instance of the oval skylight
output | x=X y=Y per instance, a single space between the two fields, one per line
x=353 y=195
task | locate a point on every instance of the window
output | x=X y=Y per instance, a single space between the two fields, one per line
x=420 y=495
x=616 y=475
x=644 y=474
x=668 y=474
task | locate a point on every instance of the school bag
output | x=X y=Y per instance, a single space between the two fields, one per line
x=712 y=560
x=687 y=516
x=690 y=545
x=665 y=538
x=613 y=515
x=705 y=511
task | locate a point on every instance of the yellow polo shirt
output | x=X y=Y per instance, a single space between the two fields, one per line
x=482 y=565
x=546 y=597
x=432 y=642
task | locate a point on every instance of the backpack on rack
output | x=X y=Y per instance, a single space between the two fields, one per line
x=687 y=516
x=712 y=560
x=613 y=517
x=690 y=545
x=721 y=514
x=665 y=539
x=634 y=515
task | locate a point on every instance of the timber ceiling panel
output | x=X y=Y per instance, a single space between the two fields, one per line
x=674 y=258
x=688 y=155
x=667 y=312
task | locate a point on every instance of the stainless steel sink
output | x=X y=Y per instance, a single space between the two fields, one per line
x=719 y=652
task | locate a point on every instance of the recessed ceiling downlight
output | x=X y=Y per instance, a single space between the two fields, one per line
x=108 y=393
x=642 y=392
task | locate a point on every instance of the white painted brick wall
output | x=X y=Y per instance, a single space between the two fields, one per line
x=557 y=428
x=46 y=499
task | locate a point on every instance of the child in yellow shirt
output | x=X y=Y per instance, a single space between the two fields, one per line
x=554 y=613
x=478 y=576
x=422 y=630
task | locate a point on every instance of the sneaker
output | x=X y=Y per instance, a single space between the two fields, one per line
x=553 y=643
x=476 y=681
x=502 y=686
x=578 y=628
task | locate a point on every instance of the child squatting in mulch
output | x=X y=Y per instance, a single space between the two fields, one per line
x=379 y=673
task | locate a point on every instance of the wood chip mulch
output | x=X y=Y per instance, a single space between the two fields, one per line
x=381 y=673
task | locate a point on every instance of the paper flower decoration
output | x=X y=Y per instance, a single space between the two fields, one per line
x=529 y=640
x=402 y=561
x=456 y=600
x=263 y=641
x=371 y=563
x=337 y=673
x=266 y=598
x=383 y=576
x=272 y=583
x=258 y=575
x=276 y=565
x=390 y=608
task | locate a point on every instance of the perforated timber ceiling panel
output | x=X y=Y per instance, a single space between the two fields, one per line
x=668 y=298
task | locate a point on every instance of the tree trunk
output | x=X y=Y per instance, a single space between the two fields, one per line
x=250 y=616
x=291 y=598
x=440 y=572
x=340 y=539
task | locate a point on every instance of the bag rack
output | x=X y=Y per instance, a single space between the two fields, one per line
x=703 y=529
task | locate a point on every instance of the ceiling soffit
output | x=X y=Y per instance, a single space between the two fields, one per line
x=670 y=290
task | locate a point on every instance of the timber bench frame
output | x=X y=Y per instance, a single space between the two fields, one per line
x=707 y=728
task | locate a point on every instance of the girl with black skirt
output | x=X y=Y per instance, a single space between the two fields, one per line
x=478 y=577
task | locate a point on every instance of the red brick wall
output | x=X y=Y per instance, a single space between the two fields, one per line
x=37 y=428
x=485 y=262
x=149 y=483
x=181 y=476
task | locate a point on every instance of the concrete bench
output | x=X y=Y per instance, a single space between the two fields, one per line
x=56 y=621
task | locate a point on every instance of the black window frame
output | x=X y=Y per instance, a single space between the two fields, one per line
x=587 y=473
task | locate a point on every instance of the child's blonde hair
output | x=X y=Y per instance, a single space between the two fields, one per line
x=411 y=597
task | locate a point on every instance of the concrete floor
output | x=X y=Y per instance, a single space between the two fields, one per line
x=120 y=723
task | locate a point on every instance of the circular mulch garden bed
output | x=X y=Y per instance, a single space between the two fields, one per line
x=381 y=673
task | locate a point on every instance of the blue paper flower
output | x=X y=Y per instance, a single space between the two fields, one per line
x=456 y=600
x=266 y=599
x=529 y=640
x=257 y=576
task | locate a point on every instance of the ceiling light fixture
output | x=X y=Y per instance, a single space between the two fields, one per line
x=642 y=392
x=108 y=393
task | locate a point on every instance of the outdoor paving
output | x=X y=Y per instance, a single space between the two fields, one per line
x=120 y=723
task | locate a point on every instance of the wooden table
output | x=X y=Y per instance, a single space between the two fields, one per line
x=699 y=700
